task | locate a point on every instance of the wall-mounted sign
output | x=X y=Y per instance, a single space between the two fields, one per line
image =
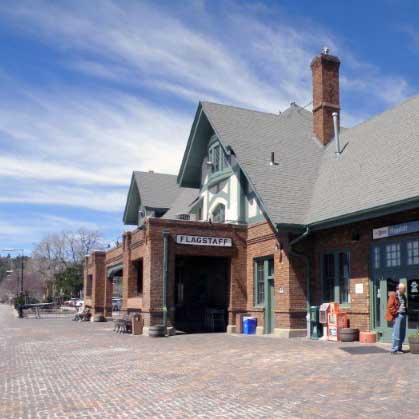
x=395 y=230
x=359 y=288
x=204 y=240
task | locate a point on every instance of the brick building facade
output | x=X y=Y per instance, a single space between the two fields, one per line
x=271 y=214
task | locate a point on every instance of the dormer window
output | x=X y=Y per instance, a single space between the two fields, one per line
x=216 y=158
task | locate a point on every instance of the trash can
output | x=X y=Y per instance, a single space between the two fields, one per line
x=315 y=327
x=137 y=324
x=249 y=325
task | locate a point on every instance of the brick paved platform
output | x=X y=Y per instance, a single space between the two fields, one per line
x=56 y=368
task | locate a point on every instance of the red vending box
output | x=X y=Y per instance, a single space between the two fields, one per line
x=336 y=321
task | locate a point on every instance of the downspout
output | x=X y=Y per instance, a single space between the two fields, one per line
x=307 y=263
x=165 y=274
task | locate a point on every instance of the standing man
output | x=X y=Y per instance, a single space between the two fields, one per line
x=396 y=312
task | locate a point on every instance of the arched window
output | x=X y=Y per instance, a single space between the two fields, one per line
x=219 y=214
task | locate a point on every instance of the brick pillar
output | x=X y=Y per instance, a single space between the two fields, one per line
x=290 y=293
x=127 y=271
x=238 y=287
x=98 y=282
x=108 y=296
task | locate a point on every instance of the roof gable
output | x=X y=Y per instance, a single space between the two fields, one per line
x=149 y=190
x=309 y=185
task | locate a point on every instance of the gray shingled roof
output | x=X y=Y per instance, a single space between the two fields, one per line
x=182 y=202
x=310 y=184
x=157 y=190
x=285 y=188
x=378 y=167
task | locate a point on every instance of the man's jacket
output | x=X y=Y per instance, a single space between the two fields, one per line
x=393 y=305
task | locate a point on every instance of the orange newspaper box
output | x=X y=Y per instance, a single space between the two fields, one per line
x=336 y=321
x=333 y=308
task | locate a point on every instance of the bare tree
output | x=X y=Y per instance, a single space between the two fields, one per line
x=60 y=252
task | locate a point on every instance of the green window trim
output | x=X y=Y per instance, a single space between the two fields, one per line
x=218 y=158
x=335 y=268
x=263 y=272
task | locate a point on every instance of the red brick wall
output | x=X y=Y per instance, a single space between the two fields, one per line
x=341 y=238
x=249 y=243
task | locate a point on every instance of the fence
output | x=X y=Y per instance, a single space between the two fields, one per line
x=48 y=312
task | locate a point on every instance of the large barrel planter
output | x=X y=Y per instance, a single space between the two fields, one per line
x=157 y=331
x=348 y=334
x=99 y=318
x=414 y=344
x=367 y=337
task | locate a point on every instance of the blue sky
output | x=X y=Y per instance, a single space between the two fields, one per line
x=90 y=91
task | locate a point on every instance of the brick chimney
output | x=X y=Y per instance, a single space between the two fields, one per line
x=325 y=70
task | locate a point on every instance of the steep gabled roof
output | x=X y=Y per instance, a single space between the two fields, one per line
x=154 y=191
x=157 y=190
x=309 y=184
x=284 y=188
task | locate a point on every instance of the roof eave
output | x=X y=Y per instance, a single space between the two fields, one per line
x=191 y=138
x=367 y=214
x=133 y=183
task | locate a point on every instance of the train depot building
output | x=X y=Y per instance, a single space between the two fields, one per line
x=269 y=214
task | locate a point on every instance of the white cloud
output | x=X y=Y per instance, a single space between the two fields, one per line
x=65 y=140
x=70 y=196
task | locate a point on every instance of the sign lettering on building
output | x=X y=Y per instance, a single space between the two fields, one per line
x=203 y=240
x=395 y=230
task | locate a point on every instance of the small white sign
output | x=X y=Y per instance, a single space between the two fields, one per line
x=281 y=290
x=359 y=288
x=380 y=233
x=204 y=240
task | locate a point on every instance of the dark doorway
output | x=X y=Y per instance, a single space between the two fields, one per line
x=201 y=294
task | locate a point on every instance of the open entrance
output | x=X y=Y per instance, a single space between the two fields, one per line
x=201 y=294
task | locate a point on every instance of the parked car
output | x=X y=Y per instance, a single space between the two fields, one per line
x=116 y=304
x=79 y=303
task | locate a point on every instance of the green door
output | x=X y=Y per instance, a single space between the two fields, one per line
x=385 y=284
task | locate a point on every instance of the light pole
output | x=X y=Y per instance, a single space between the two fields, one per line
x=21 y=268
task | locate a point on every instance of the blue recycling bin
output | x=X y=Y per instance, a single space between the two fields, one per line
x=249 y=325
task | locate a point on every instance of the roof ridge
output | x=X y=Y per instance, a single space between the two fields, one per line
x=240 y=108
x=153 y=173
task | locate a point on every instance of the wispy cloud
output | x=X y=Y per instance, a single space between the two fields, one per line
x=137 y=71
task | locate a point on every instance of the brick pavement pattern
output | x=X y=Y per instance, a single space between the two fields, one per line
x=56 y=368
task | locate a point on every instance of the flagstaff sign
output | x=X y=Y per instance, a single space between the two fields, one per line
x=204 y=240
x=395 y=230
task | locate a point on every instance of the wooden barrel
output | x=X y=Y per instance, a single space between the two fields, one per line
x=414 y=344
x=348 y=334
x=157 y=331
x=99 y=318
